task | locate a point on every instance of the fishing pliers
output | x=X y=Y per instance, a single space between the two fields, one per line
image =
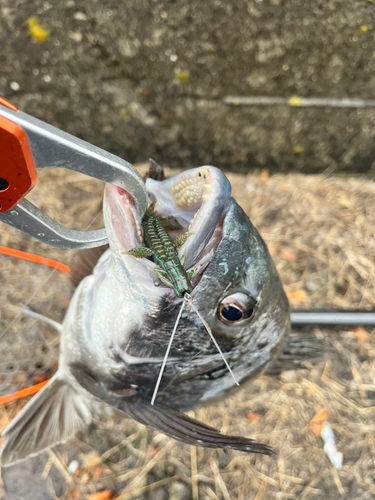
x=27 y=144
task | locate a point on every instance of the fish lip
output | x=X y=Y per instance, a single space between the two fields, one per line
x=123 y=224
x=121 y=219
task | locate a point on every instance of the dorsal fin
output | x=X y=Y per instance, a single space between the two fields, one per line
x=84 y=262
x=54 y=415
x=155 y=171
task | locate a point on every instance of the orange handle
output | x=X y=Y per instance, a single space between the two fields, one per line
x=17 y=169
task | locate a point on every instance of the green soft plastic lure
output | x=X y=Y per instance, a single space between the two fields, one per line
x=164 y=252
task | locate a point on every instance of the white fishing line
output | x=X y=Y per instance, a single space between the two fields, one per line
x=188 y=299
x=167 y=353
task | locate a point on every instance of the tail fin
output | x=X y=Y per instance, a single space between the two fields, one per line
x=54 y=415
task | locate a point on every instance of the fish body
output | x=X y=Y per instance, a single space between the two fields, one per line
x=120 y=319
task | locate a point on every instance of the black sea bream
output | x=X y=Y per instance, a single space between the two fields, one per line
x=120 y=320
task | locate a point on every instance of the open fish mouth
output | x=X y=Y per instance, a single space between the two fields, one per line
x=195 y=200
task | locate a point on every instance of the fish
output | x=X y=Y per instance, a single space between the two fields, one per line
x=120 y=319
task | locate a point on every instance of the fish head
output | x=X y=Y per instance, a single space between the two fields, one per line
x=235 y=287
x=241 y=297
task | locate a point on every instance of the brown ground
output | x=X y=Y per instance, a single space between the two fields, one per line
x=321 y=232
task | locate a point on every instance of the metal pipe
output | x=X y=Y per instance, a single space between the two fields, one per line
x=332 y=318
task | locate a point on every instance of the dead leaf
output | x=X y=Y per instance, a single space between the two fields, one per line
x=36 y=31
x=253 y=416
x=316 y=423
x=92 y=460
x=295 y=100
x=362 y=335
x=75 y=493
x=85 y=478
x=365 y=28
x=264 y=174
x=297 y=149
x=183 y=76
x=101 y=495
x=297 y=296
x=288 y=255
x=98 y=472
x=272 y=249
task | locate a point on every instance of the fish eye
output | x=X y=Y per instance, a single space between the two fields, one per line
x=235 y=308
x=231 y=313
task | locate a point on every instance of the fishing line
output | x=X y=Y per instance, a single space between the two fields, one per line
x=188 y=298
x=12 y=252
x=167 y=353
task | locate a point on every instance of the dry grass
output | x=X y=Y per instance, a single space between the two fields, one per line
x=321 y=232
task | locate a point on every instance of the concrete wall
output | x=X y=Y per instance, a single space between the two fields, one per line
x=148 y=78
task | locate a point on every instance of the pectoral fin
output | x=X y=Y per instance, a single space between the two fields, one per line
x=188 y=430
x=54 y=415
x=161 y=417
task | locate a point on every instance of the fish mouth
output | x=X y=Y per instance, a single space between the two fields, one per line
x=196 y=200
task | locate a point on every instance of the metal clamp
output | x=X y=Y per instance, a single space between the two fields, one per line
x=51 y=147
